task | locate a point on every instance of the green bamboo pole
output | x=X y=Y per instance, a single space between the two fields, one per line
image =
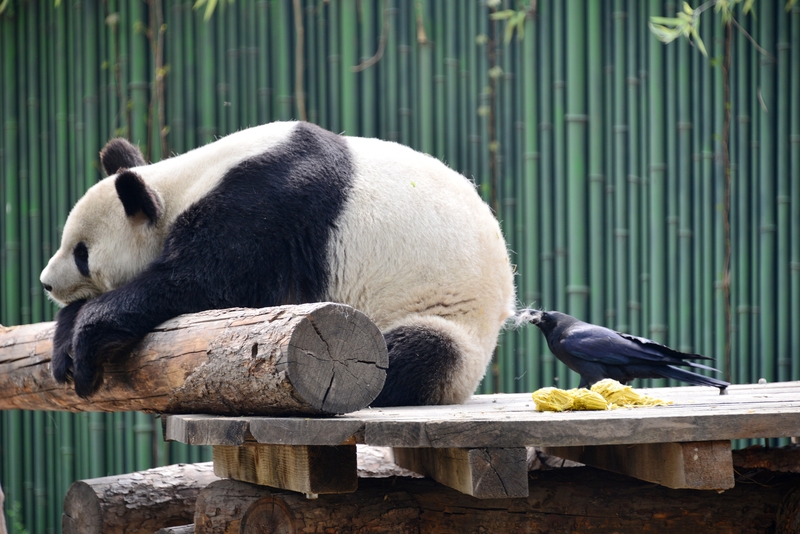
x=756 y=348
x=66 y=459
x=550 y=372
x=335 y=66
x=595 y=158
x=220 y=66
x=560 y=171
x=576 y=118
x=621 y=231
x=673 y=186
x=393 y=108
x=684 y=201
x=406 y=73
x=464 y=42
x=704 y=221
x=794 y=169
x=34 y=60
x=451 y=126
x=322 y=73
x=366 y=78
x=768 y=249
x=634 y=179
x=47 y=148
x=52 y=472
x=609 y=237
x=40 y=473
x=28 y=506
x=349 y=46
x=740 y=219
x=438 y=37
x=13 y=484
x=530 y=202
x=784 y=231
x=719 y=339
x=474 y=50
x=12 y=275
x=91 y=66
x=249 y=113
x=205 y=65
x=426 y=79
x=644 y=171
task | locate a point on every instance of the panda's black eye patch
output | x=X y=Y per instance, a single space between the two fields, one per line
x=81 y=254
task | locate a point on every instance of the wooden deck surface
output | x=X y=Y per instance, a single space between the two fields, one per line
x=698 y=414
x=479 y=447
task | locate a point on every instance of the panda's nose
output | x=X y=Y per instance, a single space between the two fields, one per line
x=47 y=287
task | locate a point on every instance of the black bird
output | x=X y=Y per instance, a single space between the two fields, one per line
x=596 y=352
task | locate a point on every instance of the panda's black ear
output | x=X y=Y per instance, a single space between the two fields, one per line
x=120 y=154
x=137 y=198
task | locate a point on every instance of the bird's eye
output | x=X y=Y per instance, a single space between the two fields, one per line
x=81 y=255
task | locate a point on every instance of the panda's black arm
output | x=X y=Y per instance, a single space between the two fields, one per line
x=61 y=360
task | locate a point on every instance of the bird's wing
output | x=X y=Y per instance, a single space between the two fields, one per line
x=662 y=349
x=603 y=345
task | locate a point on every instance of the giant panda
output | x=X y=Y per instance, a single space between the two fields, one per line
x=286 y=213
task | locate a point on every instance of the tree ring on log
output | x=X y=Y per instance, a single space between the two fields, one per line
x=336 y=359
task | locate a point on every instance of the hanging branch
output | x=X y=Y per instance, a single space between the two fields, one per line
x=367 y=63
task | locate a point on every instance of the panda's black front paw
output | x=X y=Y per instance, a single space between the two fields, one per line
x=61 y=360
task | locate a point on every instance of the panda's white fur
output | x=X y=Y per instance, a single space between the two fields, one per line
x=414 y=247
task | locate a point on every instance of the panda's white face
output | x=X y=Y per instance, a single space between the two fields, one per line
x=101 y=248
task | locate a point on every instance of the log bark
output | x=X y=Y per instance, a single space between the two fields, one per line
x=319 y=358
x=782 y=459
x=135 y=503
x=581 y=499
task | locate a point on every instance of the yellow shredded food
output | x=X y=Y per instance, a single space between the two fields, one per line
x=625 y=396
x=607 y=394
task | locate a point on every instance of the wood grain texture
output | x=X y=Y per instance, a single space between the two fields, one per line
x=483 y=473
x=307 y=469
x=135 y=503
x=705 y=465
x=319 y=358
x=508 y=421
x=182 y=529
x=221 y=505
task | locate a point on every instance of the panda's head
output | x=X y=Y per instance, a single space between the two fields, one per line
x=111 y=234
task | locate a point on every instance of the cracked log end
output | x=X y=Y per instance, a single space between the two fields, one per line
x=337 y=359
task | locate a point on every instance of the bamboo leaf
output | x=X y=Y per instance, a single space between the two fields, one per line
x=666 y=21
x=789 y=4
x=748 y=5
x=687 y=9
x=664 y=34
x=502 y=15
x=3 y=6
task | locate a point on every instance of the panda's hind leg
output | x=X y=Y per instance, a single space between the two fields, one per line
x=431 y=361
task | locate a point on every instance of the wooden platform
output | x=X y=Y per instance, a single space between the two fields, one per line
x=479 y=448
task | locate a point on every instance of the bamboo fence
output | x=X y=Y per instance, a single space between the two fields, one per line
x=599 y=148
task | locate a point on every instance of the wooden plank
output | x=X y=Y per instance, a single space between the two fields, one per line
x=507 y=421
x=486 y=473
x=706 y=465
x=307 y=469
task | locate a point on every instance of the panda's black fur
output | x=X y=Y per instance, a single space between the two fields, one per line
x=261 y=237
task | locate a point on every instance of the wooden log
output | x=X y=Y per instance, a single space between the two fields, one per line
x=221 y=505
x=232 y=507
x=581 y=499
x=309 y=469
x=135 y=503
x=319 y=358
x=693 y=465
x=783 y=459
x=482 y=473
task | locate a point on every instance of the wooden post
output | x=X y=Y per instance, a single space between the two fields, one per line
x=691 y=465
x=483 y=473
x=319 y=358
x=309 y=469
x=136 y=503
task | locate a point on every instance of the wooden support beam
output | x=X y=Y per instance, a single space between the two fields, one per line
x=483 y=473
x=141 y=502
x=309 y=469
x=319 y=358
x=694 y=465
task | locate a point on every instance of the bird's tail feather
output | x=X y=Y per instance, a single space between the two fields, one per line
x=693 y=378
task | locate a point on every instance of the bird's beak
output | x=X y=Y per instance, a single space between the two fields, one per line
x=535 y=317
